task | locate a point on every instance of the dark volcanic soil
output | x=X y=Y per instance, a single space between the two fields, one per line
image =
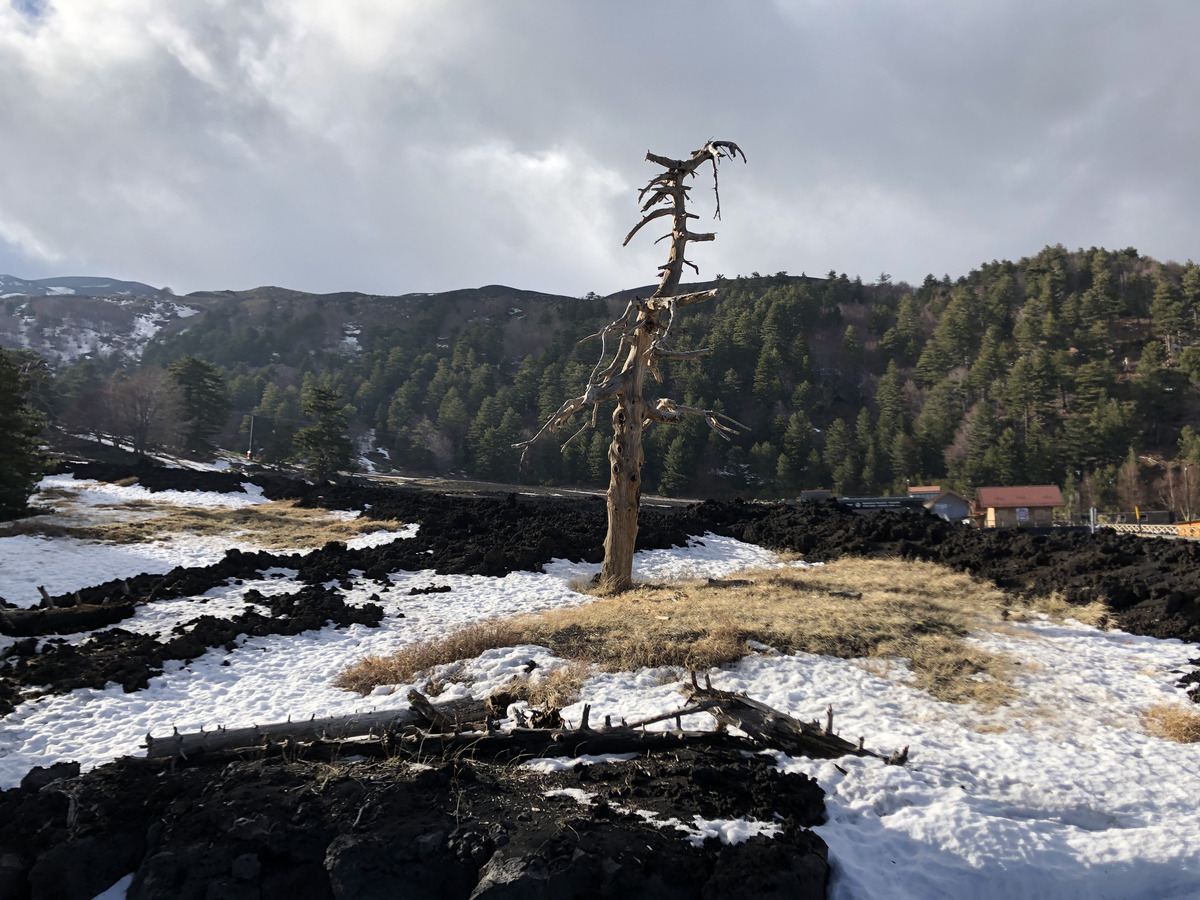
x=448 y=829
x=295 y=829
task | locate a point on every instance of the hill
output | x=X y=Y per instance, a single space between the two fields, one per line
x=1069 y=367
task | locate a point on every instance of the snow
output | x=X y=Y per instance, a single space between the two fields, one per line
x=101 y=332
x=1060 y=794
x=65 y=564
x=727 y=831
x=118 y=890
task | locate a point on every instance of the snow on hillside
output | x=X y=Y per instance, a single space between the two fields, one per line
x=1060 y=794
x=93 y=327
x=84 y=285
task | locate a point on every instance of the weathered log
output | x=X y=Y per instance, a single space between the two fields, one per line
x=771 y=728
x=499 y=746
x=62 y=619
x=530 y=743
x=408 y=730
x=183 y=746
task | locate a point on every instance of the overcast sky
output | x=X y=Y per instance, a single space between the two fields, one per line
x=388 y=146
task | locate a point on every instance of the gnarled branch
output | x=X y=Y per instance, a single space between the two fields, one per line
x=668 y=412
x=595 y=394
x=657 y=214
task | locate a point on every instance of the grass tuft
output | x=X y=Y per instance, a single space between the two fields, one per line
x=281 y=525
x=404 y=665
x=554 y=689
x=1057 y=607
x=1173 y=723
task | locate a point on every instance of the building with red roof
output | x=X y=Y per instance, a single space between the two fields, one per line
x=1020 y=506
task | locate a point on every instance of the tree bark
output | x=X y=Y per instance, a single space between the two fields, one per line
x=625 y=458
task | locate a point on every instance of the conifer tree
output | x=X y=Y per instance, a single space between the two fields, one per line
x=21 y=461
x=203 y=402
x=323 y=444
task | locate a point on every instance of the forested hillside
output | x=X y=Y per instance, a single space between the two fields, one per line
x=1078 y=368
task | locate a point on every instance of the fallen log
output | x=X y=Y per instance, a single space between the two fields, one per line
x=429 y=729
x=467 y=711
x=62 y=619
x=519 y=744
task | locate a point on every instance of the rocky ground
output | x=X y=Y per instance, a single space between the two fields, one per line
x=440 y=828
x=448 y=827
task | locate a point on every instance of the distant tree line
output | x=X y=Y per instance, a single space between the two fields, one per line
x=1078 y=368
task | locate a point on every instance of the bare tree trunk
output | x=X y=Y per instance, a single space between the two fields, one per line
x=625 y=457
x=642 y=329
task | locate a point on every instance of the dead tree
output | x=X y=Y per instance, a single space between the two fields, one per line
x=640 y=335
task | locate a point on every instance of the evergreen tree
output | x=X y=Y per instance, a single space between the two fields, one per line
x=678 y=467
x=798 y=438
x=1189 y=282
x=889 y=400
x=938 y=422
x=276 y=419
x=452 y=418
x=852 y=348
x=767 y=387
x=990 y=366
x=981 y=456
x=815 y=473
x=323 y=444
x=764 y=460
x=903 y=340
x=203 y=402
x=21 y=462
x=841 y=456
x=1167 y=311
x=1029 y=387
x=904 y=458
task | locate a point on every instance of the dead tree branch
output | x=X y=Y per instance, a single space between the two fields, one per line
x=462 y=728
x=643 y=328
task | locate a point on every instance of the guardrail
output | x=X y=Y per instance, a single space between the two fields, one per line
x=1182 y=530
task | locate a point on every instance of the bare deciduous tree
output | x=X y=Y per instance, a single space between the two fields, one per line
x=640 y=335
x=141 y=407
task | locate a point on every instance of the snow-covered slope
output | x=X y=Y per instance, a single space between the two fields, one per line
x=1059 y=794
x=64 y=327
x=77 y=285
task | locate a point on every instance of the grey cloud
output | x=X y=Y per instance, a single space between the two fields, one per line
x=384 y=147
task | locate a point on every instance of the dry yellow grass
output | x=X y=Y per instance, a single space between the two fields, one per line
x=33 y=527
x=272 y=526
x=403 y=665
x=1174 y=723
x=852 y=608
x=554 y=689
x=1055 y=606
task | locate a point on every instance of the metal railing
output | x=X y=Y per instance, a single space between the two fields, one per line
x=1186 y=530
